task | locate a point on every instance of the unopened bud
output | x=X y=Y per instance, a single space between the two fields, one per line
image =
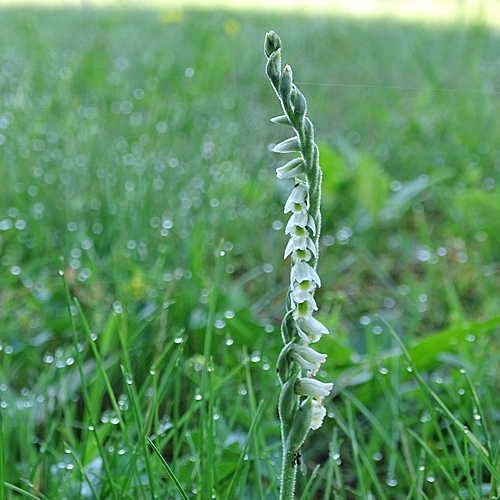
x=298 y=102
x=286 y=83
x=273 y=68
x=272 y=43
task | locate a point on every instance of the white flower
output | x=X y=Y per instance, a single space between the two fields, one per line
x=300 y=297
x=307 y=358
x=300 y=243
x=309 y=327
x=302 y=271
x=318 y=413
x=301 y=255
x=300 y=219
x=312 y=387
x=291 y=169
x=298 y=200
x=291 y=145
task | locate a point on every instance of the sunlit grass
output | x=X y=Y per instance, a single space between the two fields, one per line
x=468 y=11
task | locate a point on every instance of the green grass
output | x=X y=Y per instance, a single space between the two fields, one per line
x=132 y=144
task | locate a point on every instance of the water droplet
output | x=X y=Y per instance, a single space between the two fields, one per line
x=178 y=340
x=229 y=341
x=61 y=272
x=462 y=370
x=255 y=357
x=461 y=392
x=470 y=338
x=377 y=330
x=409 y=369
x=198 y=397
x=383 y=370
x=421 y=468
x=391 y=482
x=364 y=320
x=93 y=336
x=121 y=452
x=91 y=427
x=152 y=373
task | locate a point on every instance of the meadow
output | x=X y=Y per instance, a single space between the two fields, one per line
x=142 y=280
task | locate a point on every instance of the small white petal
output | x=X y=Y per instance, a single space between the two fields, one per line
x=318 y=414
x=299 y=296
x=291 y=169
x=312 y=247
x=290 y=247
x=281 y=120
x=301 y=271
x=309 y=354
x=312 y=387
x=312 y=225
x=291 y=145
x=299 y=219
x=311 y=327
x=298 y=197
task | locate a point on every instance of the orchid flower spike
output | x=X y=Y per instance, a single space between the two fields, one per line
x=302 y=396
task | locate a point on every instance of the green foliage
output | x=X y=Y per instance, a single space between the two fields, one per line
x=131 y=144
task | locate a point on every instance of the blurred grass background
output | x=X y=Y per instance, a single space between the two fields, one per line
x=134 y=140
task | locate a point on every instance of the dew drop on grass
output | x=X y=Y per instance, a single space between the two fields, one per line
x=198 y=397
x=470 y=338
x=91 y=427
x=266 y=367
x=461 y=392
x=383 y=370
x=61 y=272
x=114 y=420
x=178 y=340
x=430 y=478
x=255 y=357
x=462 y=371
x=152 y=373
x=391 y=482
x=229 y=341
x=377 y=330
x=378 y=456
x=93 y=336
x=409 y=369
x=421 y=468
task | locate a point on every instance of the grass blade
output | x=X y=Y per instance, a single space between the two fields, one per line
x=168 y=469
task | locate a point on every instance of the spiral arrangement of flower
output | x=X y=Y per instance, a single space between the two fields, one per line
x=301 y=398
